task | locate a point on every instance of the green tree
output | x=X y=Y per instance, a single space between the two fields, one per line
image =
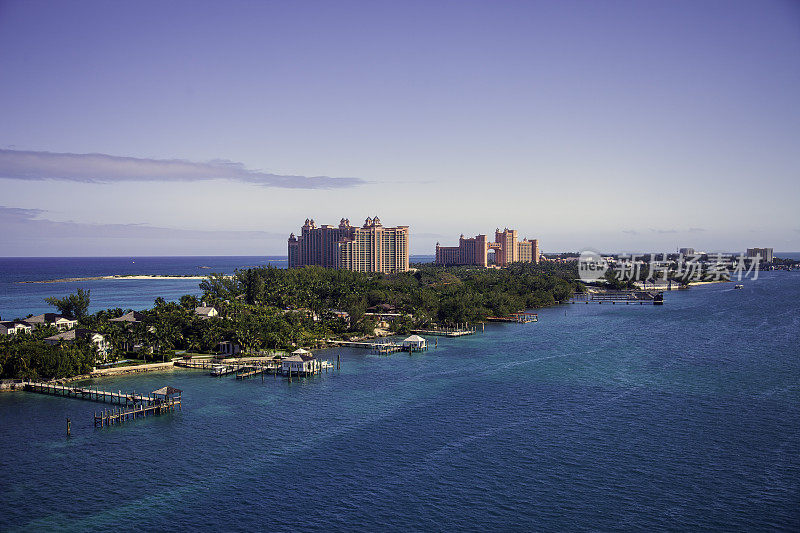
x=74 y=305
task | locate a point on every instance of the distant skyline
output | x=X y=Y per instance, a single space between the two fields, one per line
x=202 y=128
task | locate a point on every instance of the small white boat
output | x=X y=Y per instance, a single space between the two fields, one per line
x=739 y=287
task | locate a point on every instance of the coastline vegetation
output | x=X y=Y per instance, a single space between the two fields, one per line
x=269 y=308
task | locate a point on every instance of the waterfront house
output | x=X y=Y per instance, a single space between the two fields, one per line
x=299 y=362
x=415 y=343
x=206 y=312
x=62 y=323
x=103 y=346
x=14 y=327
x=134 y=317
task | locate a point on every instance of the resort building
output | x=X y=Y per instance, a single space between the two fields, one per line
x=764 y=253
x=370 y=248
x=478 y=250
x=61 y=323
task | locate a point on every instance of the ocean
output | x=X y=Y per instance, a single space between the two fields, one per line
x=597 y=417
x=18 y=300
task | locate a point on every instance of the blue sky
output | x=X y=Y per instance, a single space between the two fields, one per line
x=149 y=128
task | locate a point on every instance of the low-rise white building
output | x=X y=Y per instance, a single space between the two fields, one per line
x=62 y=323
x=415 y=343
x=300 y=362
x=103 y=346
x=13 y=327
x=206 y=312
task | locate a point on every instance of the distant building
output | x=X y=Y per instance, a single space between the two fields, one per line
x=14 y=327
x=134 y=317
x=103 y=346
x=506 y=247
x=62 y=323
x=206 y=312
x=764 y=253
x=685 y=252
x=370 y=248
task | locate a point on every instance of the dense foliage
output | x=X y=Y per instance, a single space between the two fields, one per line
x=272 y=309
x=429 y=293
x=27 y=356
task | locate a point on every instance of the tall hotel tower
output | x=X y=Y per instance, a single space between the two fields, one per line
x=370 y=248
x=507 y=249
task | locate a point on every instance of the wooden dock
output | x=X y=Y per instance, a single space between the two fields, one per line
x=381 y=348
x=130 y=405
x=632 y=297
x=217 y=368
x=84 y=393
x=250 y=372
x=444 y=332
x=108 y=417
x=518 y=318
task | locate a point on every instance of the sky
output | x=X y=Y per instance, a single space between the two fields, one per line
x=217 y=128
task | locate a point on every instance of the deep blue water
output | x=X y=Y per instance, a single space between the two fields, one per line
x=598 y=417
x=17 y=299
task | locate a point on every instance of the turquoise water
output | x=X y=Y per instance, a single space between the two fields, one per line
x=599 y=417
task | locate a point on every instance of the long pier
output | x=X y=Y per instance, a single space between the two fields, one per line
x=632 y=297
x=381 y=348
x=444 y=332
x=518 y=318
x=84 y=393
x=135 y=405
x=217 y=368
x=120 y=414
x=378 y=347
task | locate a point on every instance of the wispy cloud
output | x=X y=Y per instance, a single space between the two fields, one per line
x=103 y=168
x=30 y=224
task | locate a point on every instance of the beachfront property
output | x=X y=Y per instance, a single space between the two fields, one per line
x=478 y=250
x=206 y=312
x=103 y=346
x=13 y=327
x=60 y=322
x=765 y=254
x=370 y=248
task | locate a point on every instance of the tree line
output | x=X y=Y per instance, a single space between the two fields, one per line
x=269 y=308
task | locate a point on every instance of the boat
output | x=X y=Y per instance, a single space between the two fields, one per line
x=739 y=287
